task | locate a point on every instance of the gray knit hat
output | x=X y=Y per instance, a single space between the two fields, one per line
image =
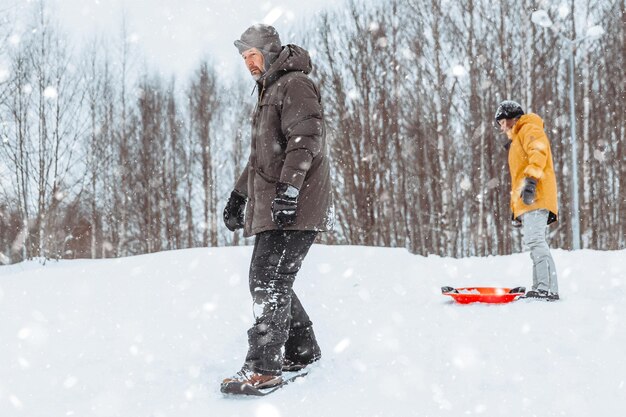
x=262 y=37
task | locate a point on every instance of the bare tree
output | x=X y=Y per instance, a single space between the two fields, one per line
x=204 y=105
x=172 y=171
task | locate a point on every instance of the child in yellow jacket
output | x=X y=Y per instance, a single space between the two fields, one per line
x=533 y=191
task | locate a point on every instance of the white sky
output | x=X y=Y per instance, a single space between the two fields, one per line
x=175 y=34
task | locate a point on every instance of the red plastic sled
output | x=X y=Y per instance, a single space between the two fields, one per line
x=492 y=295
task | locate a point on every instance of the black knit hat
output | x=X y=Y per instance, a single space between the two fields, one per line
x=262 y=37
x=508 y=109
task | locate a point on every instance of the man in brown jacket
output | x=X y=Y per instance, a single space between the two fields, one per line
x=283 y=198
x=533 y=191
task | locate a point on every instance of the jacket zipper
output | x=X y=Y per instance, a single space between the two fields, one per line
x=255 y=121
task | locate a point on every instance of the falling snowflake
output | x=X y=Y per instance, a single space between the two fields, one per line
x=408 y=53
x=459 y=71
x=70 y=382
x=342 y=345
x=50 y=92
x=465 y=184
x=273 y=16
x=492 y=183
x=599 y=155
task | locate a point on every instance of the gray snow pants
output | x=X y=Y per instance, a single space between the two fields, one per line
x=534 y=239
x=280 y=319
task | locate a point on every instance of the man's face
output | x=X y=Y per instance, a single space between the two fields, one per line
x=254 y=62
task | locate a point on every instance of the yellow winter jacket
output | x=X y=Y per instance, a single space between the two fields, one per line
x=530 y=156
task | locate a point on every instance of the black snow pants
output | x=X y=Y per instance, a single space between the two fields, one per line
x=280 y=320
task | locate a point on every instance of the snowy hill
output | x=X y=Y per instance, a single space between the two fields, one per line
x=153 y=335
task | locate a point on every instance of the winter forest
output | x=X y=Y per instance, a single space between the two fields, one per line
x=103 y=157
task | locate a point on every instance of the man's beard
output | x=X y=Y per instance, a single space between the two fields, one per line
x=258 y=75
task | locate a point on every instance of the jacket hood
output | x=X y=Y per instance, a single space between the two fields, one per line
x=530 y=118
x=291 y=58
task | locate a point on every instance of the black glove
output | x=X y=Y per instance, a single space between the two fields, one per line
x=529 y=191
x=234 y=211
x=285 y=204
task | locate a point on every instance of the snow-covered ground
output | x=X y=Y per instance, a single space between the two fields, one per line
x=153 y=335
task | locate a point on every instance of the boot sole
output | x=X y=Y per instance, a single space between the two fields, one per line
x=237 y=387
x=541 y=298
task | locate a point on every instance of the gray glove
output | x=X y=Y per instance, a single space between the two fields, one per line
x=529 y=191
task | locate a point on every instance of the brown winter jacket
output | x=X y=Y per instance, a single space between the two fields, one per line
x=530 y=156
x=288 y=145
